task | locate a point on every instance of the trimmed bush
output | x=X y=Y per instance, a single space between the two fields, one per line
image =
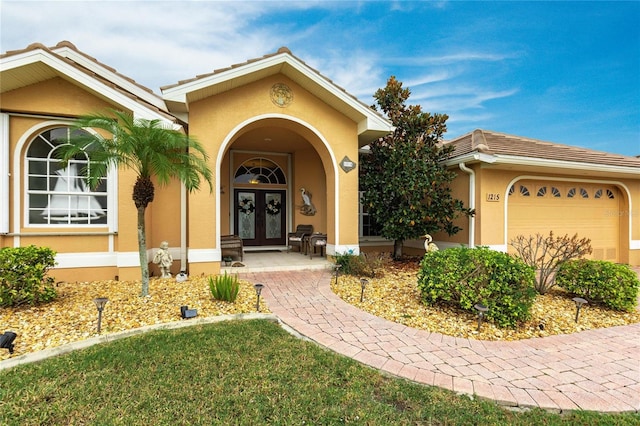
x=368 y=264
x=23 y=277
x=224 y=287
x=463 y=277
x=611 y=284
x=350 y=264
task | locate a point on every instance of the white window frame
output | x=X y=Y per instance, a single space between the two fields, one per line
x=21 y=151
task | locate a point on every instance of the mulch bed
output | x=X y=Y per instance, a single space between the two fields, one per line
x=395 y=297
x=73 y=315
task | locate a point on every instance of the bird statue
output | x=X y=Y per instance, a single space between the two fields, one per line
x=307 y=208
x=429 y=246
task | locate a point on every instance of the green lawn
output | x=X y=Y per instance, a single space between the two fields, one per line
x=237 y=372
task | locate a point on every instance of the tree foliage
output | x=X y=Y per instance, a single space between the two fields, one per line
x=151 y=148
x=406 y=187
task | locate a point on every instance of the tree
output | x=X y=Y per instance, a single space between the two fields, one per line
x=149 y=147
x=406 y=187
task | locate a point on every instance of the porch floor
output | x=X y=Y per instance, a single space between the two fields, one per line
x=276 y=260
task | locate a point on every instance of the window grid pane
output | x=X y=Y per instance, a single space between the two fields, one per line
x=57 y=195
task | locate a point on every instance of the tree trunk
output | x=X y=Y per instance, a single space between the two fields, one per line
x=397 y=249
x=142 y=248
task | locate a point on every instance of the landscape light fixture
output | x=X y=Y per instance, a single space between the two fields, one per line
x=481 y=311
x=579 y=302
x=258 y=288
x=186 y=313
x=100 y=302
x=338 y=266
x=6 y=340
x=363 y=284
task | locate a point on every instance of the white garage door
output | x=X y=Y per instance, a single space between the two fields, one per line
x=590 y=210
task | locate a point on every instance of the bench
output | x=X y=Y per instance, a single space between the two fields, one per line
x=231 y=245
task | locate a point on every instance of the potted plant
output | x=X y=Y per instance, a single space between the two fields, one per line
x=227 y=260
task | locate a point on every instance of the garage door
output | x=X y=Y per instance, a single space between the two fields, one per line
x=590 y=210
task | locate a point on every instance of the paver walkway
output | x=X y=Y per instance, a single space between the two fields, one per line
x=595 y=370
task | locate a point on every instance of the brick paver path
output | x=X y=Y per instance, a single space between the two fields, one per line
x=595 y=370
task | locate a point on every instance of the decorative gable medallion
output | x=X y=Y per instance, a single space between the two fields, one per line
x=281 y=95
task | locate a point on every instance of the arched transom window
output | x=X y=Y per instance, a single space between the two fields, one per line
x=57 y=195
x=259 y=171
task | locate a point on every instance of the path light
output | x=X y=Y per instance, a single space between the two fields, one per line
x=258 y=288
x=579 y=302
x=100 y=302
x=338 y=266
x=6 y=340
x=363 y=284
x=481 y=311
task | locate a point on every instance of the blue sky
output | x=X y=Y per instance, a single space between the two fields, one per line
x=566 y=72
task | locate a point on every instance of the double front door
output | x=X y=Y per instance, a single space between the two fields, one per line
x=260 y=216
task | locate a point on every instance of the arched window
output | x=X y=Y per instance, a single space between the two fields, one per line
x=57 y=195
x=259 y=170
x=524 y=191
x=584 y=193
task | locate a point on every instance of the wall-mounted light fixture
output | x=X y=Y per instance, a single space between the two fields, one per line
x=347 y=164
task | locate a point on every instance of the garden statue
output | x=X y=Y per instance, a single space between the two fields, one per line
x=164 y=259
x=307 y=209
x=429 y=246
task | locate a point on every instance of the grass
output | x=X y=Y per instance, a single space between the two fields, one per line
x=241 y=373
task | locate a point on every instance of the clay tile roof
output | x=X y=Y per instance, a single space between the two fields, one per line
x=281 y=50
x=102 y=79
x=500 y=144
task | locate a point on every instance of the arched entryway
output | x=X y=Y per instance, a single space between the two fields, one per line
x=264 y=167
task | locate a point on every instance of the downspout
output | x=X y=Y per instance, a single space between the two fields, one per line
x=472 y=202
x=183 y=228
x=4 y=173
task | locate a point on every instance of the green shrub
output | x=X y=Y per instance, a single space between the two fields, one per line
x=463 y=277
x=350 y=264
x=611 y=284
x=224 y=287
x=368 y=264
x=23 y=277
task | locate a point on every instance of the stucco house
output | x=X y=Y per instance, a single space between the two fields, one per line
x=272 y=126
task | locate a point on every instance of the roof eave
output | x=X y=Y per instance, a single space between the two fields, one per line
x=177 y=97
x=478 y=157
x=62 y=67
x=114 y=77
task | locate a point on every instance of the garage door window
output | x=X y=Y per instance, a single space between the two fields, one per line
x=609 y=194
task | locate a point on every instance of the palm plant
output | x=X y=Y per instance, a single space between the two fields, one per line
x=149 y=147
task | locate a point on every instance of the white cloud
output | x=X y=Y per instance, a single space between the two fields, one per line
x=155 y=43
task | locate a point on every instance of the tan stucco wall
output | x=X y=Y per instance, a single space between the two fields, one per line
x=490 y=220
x=214 y=118
x=59 y=99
